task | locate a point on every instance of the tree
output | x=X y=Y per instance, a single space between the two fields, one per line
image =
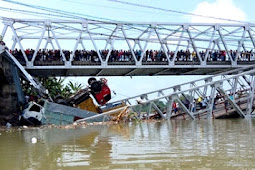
x=55 y=86
x=75 y=87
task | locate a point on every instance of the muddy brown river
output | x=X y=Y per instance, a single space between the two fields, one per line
x=200 y=144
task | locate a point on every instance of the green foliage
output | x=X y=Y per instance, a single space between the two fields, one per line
x=145 y=107
x=75 y=87
x=55 y=86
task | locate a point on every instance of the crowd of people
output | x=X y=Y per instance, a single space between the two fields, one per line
x=126 y=55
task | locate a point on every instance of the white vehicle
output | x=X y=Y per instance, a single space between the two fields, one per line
x=33 y=114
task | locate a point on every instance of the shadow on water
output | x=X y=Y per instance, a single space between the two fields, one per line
x=216 y=144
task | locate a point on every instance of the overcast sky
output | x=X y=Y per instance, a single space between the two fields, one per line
x=137 y=11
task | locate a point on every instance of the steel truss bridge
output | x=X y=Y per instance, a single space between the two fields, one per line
x=235 y=87
x=97 y=35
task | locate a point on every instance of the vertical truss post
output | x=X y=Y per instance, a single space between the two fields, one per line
x=18 y=41
x=85 y=25
x=238 y=49
x=186 y=27
x=171 y=63
x=83 y=46
x=210 y=44
x=111 y=42
x=169 y=107
x=162 y=44
x=129 y=45
x=233 y=63
x=207 y=80
x=211 y=100
x=75 y=46
x=188 y=46
x=213 y=47
x=192 y=96
x=218 y=45
x=59 y=47
x=37 y=47
x=145 y=46
x=148 y=111
x=109 y=53
x=244 y=47
x=205 y=91
x=233 y=90
x=240 y=43
x=47 y=42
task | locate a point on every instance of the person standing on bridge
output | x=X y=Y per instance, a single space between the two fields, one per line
x=175 y=108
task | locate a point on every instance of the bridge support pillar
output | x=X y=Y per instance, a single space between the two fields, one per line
x=8 y=92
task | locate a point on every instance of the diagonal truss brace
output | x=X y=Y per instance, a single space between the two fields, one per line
x=235 y=106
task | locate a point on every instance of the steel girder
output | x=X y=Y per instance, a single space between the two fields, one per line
x=165 y=37
x=229 y=85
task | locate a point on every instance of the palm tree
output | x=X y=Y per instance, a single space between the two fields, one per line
x=56 y=86
x=75 y=87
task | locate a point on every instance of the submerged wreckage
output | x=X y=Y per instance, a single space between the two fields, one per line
x=66 y=111
x=59 y=111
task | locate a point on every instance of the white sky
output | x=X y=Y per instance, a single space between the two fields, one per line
x=220 y=9
x=127 y=86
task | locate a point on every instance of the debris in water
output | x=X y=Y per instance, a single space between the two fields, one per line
x=8 y=125
x=34 y=140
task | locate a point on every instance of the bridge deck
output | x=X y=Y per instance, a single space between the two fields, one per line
x=80 y=68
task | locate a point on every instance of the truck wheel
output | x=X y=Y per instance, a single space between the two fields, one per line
x=96 y=86
x=90 y=80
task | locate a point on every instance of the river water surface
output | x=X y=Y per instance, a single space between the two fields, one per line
x=200 y=144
